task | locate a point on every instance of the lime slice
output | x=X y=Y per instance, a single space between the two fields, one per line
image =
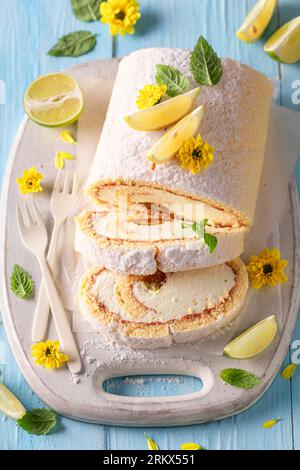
x=54 y=100
x=284 y=45
x=257 y=21
x=253 y=341
x=168 y=145
x=10 y=405
x=163 y=114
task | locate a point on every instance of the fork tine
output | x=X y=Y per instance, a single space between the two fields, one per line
x=20 y=219
x=28 y=219
x=75 y=183
x=66 y=183
x=56 y=186
x=36 y=213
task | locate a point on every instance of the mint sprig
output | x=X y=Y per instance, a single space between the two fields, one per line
x=199 y=227
x=38 y=421
x=74 y=44
x=205 y=65
x=86 y=10
x=240 y=378
x=21 y=283
x=174 y=80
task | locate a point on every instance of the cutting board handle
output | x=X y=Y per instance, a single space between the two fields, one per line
x=138 y=407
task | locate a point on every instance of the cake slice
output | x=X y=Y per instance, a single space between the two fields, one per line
x=162 y=309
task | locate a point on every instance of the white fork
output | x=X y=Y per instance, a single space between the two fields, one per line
x=63 y=198
x=35 y=238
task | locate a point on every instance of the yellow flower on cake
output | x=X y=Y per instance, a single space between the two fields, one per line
x=150 y=95
x=195 y=154
x=47 y=354
x=267 y=269
x=121 y=15
x=30 y=181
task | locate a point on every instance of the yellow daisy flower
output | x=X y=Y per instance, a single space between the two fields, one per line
x=150 y=95
x=30 y=181
x=121 y=15
x=267 y=268
x=195 y=154
x=47 y=354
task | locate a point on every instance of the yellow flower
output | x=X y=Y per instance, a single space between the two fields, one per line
x=48 y=355
x=150 y=95
x=30 y=181
x=195 y=154
x=121 y=15
x=267 y=268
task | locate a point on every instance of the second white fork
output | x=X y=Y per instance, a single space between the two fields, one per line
x=63 y=198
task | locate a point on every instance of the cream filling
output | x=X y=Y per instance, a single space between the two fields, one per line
x=118 y=227
x=183 y=293
x=183 y=207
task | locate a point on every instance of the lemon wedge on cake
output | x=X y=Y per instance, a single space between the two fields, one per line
x=10 y=405
x=169 y=144
x=164 y=114
x=54 y=100
x=284 y=45
x=253 y=341
x=257 y=21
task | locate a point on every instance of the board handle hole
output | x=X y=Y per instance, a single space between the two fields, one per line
x=153 y=385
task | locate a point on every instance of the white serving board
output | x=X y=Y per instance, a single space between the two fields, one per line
x=82 y=397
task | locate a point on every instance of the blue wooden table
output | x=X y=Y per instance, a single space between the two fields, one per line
x=28 y=28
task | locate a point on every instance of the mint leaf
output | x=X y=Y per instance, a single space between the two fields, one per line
x=21 y=283
x=205 y=65
x=39 y=421
x=74 y=44
x=211 y=241
x=86 y=10
x=199 y=227
x=240 y=378
x=174 y=80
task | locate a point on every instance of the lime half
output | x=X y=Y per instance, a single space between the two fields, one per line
x=253 y=341
x=54 y=100
x=10 y=405
x=284 y=45
x=257 y=21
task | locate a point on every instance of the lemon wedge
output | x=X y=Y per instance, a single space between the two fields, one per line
x=169 y=144
x=284 y=45
x=54 y=100
x=163 y=114
x=10 y=405
x=253 y=341
x=257 y=21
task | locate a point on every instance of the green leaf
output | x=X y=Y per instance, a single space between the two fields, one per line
x=271 y=423
x=74 y=44
x=211 y=241
x=86 y=10
x=239 y=378
x=199 y=227
x=205 y=65
x=39 y=421
x=174 y=80
x=288 y=371
x=151 y=443
x=21 y=283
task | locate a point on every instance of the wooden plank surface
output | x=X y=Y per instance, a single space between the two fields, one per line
x=28 y=28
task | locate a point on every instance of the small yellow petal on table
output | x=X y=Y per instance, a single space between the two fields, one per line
x=67 y=137
x=271 y=423
x=288 y=371
x=191 y=446
x=151 y=443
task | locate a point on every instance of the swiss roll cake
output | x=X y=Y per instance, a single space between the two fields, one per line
x=235 y=125
x=162 y=309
